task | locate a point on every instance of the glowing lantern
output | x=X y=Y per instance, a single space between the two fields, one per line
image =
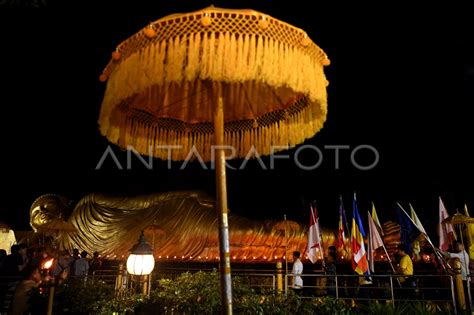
x=141 y=261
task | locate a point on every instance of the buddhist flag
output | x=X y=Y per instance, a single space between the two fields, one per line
x=314 y=235
x=417 y=221
x=375 y=241
x=359 y=257
x=445 y=230
x=409 y=232
x=341 y=235
x=375 y=218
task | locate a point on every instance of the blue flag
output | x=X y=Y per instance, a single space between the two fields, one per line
x=356 y=216
x=409 y=232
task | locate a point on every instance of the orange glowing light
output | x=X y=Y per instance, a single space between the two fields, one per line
x=245 y=257
x=167 y=257
x=159 y=257
x=48 y=263
x=174 y=257
x=276 y=257
x=233 y=257
x=182 y=257
x=264 y=257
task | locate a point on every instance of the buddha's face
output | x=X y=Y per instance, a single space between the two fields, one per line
x=45 y=210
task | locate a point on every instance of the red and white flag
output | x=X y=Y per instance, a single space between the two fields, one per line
x=314 y=236
x=375 y=241
x=445 y=230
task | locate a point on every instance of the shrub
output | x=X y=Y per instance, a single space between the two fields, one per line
x=76 y=297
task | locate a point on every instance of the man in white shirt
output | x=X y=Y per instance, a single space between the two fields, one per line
x=296 y=272
x=81 y=266
x=463 y=256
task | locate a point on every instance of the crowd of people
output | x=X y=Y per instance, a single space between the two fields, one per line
x=27 y=268
x=405 y=269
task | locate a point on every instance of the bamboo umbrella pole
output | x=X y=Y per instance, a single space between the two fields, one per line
x=222 y=211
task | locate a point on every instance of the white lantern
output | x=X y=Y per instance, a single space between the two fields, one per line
x=141 y=261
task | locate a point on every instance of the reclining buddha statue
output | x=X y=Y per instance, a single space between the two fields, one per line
x=181 y=224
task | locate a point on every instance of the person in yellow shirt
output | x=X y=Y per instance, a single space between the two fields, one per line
x=405 y=267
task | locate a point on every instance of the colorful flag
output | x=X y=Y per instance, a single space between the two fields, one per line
x=375 y=241
x=409 y=232
x=376 y=220
x=314 y=235
x=417 y=221
x=341 y=235
x=445 y=230
x=359 y=257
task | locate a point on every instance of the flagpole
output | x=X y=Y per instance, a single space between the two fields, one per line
x=349 y=232
x=369 y=248
x=345 y=216
x=466 y=212
x=286 y=246
x=390 y=262
x=389 y=259
x=371 y=226
x=437 y=254
x=321 y=238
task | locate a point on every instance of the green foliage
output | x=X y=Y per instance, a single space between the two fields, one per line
x=124 y=305
x=83 y=297
x=189 y=293
x=76 y=297
x=198 y=293
x=328 y=305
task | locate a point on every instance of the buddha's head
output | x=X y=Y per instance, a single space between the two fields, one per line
x=46 y=209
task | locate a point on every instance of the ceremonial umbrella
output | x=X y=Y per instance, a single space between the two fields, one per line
x=458 y=219
x=188 y=84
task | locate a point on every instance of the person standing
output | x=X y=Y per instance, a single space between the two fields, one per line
x=32 y=278
x=405 y=268
x=62 y=263
x=81 y=266
x=463 y=256
x=95 y=263
x=297 y=270
x=330 y=270
x=72 y=262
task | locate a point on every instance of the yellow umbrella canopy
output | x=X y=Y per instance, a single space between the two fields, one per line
x=458 y=219
x=162 y=83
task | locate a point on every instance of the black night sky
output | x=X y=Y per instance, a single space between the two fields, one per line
x=401 y=80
